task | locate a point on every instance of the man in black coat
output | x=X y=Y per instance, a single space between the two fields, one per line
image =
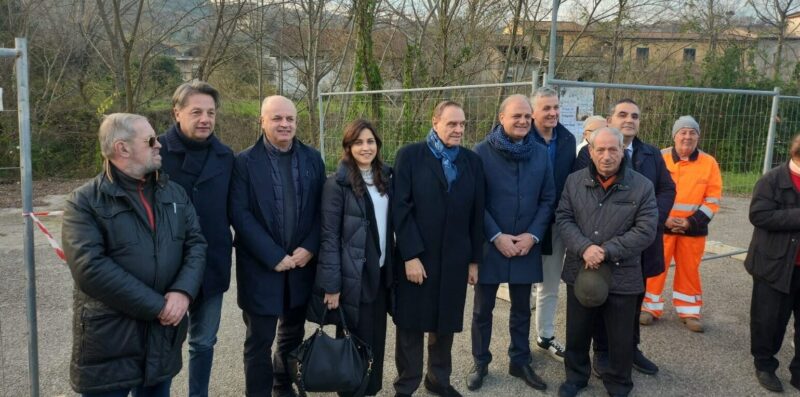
x=135 y=250
x=773 y=260
x=274 y=208
x=645 y=159
x=438 y=214
x=194 y=158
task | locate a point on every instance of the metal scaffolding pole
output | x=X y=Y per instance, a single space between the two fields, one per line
x=26 y=178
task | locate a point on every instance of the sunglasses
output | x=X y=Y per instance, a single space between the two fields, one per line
x=151 y=141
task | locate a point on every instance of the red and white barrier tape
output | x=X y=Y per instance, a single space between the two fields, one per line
x=50 y=239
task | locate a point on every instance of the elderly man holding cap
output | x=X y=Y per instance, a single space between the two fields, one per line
x=698 y=183
x=607 y=216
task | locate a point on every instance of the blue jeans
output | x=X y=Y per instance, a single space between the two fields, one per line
x=159 y=390
x=203 y=325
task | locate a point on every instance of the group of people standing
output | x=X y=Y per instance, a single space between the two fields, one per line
x=149 y=245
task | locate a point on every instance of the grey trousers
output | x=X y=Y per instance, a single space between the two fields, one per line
x=547 y=290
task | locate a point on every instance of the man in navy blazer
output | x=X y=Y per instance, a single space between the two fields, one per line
x=195 y=158
x=560 y=144
x=519 y=205
x=274 y=206
x=646 y=160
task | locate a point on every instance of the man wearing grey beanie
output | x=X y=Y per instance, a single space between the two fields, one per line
x=698 y=182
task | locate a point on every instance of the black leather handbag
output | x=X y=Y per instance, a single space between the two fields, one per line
x=326 y=364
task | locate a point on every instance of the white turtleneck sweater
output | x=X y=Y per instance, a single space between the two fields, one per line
x=380 y=203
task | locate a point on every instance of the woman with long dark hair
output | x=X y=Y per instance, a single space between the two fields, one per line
x=354 y=268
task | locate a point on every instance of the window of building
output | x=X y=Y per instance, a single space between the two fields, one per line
x=642 y=55
x=689 y=54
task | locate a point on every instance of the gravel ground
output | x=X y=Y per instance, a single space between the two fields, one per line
x=716 y=363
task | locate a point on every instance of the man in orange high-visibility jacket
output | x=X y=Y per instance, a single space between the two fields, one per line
x=699 y=189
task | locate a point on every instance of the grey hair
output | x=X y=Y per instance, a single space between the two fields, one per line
x=116 y=127
x=511 y=98
x=617 y=134
x=185 y=90
x=543 y=92
x=592 y=119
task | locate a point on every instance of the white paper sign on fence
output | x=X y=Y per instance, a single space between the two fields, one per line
x=577 y=103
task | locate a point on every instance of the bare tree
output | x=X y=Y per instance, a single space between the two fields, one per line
x=712 y=19
x=131 y=34
x=775 y=13
x=227 y=16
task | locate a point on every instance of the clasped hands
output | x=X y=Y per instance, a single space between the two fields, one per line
x=510 y=246
x=677 y=225
x=299 y=258
x=594 y=256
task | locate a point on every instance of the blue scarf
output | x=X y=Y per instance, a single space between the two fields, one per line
x=447 y=155
x=516 y=151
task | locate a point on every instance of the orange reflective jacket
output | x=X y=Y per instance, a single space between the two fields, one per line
x=698 y=184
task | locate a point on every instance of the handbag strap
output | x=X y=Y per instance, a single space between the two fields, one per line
x=339 y=309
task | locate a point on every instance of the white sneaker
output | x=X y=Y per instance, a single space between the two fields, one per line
x=552 y=347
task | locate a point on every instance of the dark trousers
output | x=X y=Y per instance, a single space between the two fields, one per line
x=371 y=329
x=769 y=314
x=262 y=373
x=618 y=312
x=600 y=337
x=159 y=390
x=519 y=323
x=408 y=359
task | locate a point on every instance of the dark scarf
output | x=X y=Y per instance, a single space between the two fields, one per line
x=273 y=155
x=196 y=153
x=447 y=155
x=516 y=151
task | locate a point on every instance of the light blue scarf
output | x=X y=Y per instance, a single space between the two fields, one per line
x=447 y=155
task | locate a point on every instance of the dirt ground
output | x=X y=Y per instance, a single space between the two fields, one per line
x=716 y=363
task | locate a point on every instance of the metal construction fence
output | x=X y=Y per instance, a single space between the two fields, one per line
x=735 y=124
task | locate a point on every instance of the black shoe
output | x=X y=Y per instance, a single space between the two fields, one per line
x=643 y=364
x=475 y=377
x=528 y=375
x=439 y=390
x=599 y=363
x=568 y=389
x=769 y=381
x=283 y=392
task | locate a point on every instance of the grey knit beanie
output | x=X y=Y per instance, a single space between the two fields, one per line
x=685 y=122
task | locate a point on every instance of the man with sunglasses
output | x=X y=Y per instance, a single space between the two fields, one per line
x=134 y=247
x=196 y=159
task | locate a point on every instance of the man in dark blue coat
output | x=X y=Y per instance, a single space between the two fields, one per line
x=274 y=207
x=519 y=205
x=438 y=213
x=646 y=159
x=560 y=144
x=196 y=159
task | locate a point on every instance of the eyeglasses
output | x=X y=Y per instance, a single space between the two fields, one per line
x=151 y=141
